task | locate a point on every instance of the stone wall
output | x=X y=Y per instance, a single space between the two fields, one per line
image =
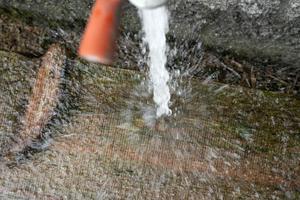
x=264 y=34
x=266 y=29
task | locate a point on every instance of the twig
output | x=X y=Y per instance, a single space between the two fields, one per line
x=232 y=70
x=277 y=79
x=44 y=98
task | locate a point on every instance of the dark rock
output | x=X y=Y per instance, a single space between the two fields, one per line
x=255 y=29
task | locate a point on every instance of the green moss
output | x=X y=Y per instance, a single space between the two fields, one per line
x=235 y=120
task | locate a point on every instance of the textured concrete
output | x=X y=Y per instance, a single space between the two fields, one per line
x=222 y=142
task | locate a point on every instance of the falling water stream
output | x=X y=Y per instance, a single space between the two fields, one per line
x=156 y=25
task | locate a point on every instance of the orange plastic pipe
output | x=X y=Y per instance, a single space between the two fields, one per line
x=98 y=41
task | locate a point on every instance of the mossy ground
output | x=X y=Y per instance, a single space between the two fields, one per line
x=224 y=142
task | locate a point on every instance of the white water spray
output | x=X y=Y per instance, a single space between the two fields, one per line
x=156 y=25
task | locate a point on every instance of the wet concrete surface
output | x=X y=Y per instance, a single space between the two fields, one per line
x=222 y=142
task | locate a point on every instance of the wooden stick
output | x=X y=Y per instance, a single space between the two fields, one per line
x=44 y=98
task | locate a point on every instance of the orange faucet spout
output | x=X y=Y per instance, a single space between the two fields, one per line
x=98 y=41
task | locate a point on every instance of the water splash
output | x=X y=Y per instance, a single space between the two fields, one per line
x=156 y=25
